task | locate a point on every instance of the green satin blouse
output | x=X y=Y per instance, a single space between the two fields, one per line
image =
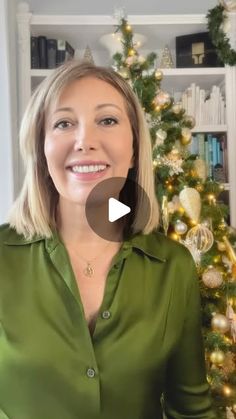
x=145 y=356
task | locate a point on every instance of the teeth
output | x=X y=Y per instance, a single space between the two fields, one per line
x=88 y=169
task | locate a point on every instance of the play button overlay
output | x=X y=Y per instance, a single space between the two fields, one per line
x=114 y=206
x=116 y=210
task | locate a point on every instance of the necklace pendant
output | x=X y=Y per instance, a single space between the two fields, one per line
x=88 y=271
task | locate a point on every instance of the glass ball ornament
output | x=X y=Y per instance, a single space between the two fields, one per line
x=159 y=75
x=217 y=357
x=201 y=237
x=162 y=99
x=180 y=227
x=220 y=323
x=212 y=277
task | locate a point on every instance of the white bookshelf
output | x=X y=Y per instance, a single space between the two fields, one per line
x=159 y=30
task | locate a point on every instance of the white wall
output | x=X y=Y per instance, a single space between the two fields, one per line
x=106 y=7
x=8 y=98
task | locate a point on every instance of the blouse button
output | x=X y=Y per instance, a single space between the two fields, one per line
x=90 y=372
x=106 y=314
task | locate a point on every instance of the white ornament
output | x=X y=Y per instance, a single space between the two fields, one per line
x=191 y=202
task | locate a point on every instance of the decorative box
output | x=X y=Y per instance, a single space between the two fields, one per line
x=196 y=50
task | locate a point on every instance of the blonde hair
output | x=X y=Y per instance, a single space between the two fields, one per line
x=34 y=210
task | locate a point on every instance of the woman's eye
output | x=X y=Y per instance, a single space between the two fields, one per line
x=63 y=124
x=108 y=121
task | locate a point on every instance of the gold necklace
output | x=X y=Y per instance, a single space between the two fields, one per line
x=89 y=270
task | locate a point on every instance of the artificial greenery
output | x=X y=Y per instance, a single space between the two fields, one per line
x=171 y=153
x=216 y=17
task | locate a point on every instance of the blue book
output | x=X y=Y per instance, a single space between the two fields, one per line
x=210 y=155
x=218 y=152
x=214 y=151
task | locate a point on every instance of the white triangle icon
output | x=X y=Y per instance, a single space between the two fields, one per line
x=116 y=210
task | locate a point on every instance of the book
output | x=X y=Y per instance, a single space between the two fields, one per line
x=64 y=52
x=34 y=49
x=42 y=42
x=51 y=52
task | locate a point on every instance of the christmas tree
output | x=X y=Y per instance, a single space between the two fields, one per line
x=191 y=213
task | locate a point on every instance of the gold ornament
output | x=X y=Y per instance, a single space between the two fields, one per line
x=212 y=277
x=220 y=323
x=191 y=201
x=165 y=214
x=190 y=120
x=159 y=75
x=201 y=169
x=180 y=227
x=174 y=236
x=158 y=108
x=162 y=99
x=221 y=246
x=223 y=225
x=177 y=108
x=201 y=237
x=186 y=136
x=230 y=251
x=234 y=408
x=217 y=357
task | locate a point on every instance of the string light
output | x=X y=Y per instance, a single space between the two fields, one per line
x=227 y=390
x=131 y=52
x=128 y=28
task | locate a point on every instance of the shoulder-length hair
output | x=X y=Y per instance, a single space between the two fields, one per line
x=34 y=210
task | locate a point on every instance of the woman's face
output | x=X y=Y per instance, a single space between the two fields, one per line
x=88 y=138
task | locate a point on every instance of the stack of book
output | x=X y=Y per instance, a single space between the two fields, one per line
x=49 y=53
x=212 y=149
x=208 y=108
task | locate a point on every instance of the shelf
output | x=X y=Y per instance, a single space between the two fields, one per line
x=210 y=128
x=178 y=79
x=160 y=30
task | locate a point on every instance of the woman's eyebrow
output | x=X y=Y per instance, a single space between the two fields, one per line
x=64 y=109
x=103 y=105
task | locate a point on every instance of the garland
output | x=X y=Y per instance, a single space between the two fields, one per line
x=216 y=18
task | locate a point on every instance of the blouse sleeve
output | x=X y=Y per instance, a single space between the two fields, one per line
x=187 y=391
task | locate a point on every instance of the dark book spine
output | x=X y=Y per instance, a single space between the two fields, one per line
x=34 y=52
x=42 y=40
x=51 y=52
x=64 y=52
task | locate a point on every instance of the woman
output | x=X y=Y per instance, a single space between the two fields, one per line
x=91 y=327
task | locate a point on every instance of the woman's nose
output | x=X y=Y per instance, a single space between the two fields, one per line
x=85 y=138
